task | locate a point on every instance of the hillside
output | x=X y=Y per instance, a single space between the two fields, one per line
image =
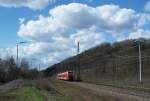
x=109 y=63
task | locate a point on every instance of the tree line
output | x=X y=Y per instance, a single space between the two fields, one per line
x=10 y=71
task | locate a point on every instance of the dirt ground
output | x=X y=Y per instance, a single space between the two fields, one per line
x=113 y=92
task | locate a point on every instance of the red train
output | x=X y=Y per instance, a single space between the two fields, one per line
x=68 y=76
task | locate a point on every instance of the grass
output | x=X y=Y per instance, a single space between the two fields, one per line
x=51 y=91
x=22 y=94
x=28 y=94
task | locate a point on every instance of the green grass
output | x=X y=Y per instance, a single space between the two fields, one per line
x=22 y=94
x=28 y=94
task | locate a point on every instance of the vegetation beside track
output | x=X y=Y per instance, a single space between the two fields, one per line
x=48 y=90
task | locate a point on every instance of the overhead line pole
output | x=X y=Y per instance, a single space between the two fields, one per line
x=17 y=55
x=140 y=63
x=140 y=60
x=78 y=51
x=18 y=52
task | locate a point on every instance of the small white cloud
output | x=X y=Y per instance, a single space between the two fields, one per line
x=88 y=0
x=147 y=6
x=32 y=4
x=21 y=20
x=144 y=19
x=140 y=33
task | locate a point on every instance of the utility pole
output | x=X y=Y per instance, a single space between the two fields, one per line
x=40 y=75
x=18 y=52
x=17 y=55
x=140 y=62
x=39 y=67
x=78 y=51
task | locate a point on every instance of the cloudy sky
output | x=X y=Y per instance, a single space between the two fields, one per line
x=52 y=28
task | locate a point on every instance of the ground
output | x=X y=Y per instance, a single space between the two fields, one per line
x=55 y=90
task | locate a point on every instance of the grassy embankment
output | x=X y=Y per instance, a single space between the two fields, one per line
x=59 y=91
x=21 y=94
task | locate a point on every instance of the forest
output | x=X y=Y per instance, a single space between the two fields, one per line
x=109 y=62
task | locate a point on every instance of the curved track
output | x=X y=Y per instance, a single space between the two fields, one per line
x=120 y=94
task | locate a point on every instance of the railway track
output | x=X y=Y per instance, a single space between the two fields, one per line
x=121 y=94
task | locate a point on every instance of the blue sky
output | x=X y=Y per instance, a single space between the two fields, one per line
x=49 y=11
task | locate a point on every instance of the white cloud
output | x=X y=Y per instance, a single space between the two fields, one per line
x=144 y=19
x=140 y=33
x=32 y=4
x=108 y=17
x=147 y=6
x=77 y=16
x=88 y=38
x=41 y=29
x=87 y=0
x=21 y=20
x=62 y=47
x=55 y=37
